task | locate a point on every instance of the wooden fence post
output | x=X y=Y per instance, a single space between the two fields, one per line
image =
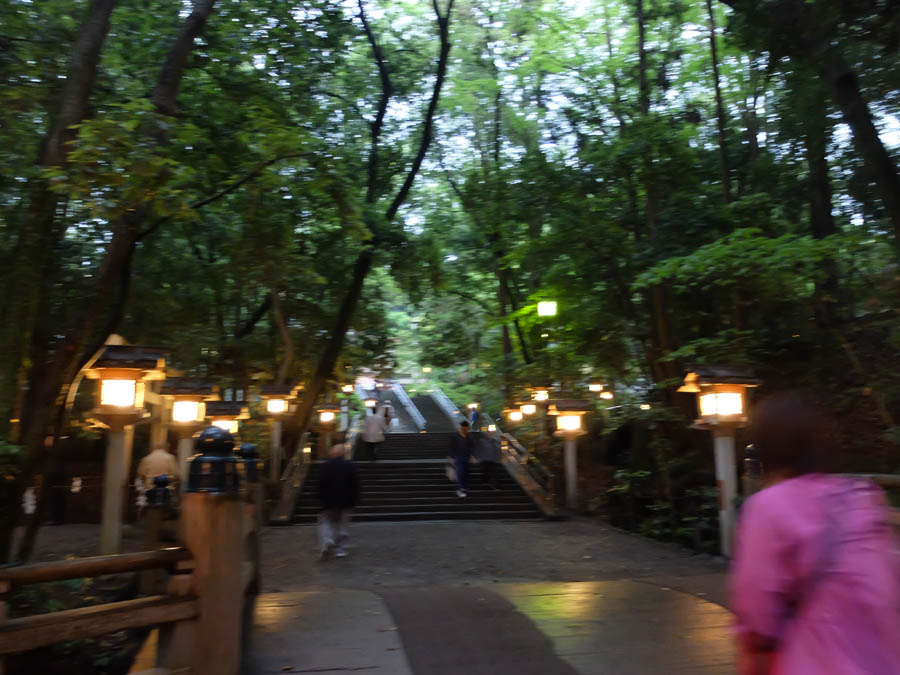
x=214 y=532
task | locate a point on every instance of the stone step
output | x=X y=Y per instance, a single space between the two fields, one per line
x=473 y=498
x=530 y=514
x=458 y=507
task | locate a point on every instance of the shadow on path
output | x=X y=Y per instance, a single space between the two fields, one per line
x=470 y=630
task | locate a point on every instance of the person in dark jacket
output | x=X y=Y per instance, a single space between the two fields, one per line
x=461 y=449
x=487 y=451
x=339 y=494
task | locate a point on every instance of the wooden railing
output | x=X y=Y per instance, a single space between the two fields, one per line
x=42 y=630
x=201 y=613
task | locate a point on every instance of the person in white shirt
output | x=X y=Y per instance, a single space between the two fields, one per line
x=374 y=429
x=157 y=463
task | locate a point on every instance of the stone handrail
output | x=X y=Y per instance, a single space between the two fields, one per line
x=445 y=404
x=413 y=411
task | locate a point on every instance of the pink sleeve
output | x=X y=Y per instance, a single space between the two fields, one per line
x=761 y=574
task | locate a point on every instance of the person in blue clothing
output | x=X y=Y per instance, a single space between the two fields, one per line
x=461 y=448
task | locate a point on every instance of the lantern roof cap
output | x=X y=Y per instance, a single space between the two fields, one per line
x=189 y=386
x=279 y=390
x=235 y=409
x=570 y=405
x=132 y=357
x=709 y=374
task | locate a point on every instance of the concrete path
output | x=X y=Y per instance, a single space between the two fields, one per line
x=325 y=631
x=490 y=598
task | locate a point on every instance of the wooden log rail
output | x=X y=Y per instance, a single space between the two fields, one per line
x=203 y=617
x=42 y=630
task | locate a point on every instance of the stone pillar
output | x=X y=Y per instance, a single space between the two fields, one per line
x=726 y=481
x=120 y=440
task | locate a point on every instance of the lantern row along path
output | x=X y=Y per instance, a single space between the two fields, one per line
x=489 y=598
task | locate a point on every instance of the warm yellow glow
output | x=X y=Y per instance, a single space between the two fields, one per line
x=595 y=387
x=645 y=406
x=546 y=308
x=541 y=395
x=231 y=426
x=568 y=422
x=473 y=406
x=186 y=411
x=721 y=404
x=529 y=409
x=307 y=450
x=492 y=427
x=347 y=389
x=426 y=369
x=326 y=416
x=515 y=416
x=606 y=395
x=120 y=393
x=276 y=406
x=370 y=402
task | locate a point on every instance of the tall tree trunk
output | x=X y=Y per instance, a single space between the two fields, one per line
x=283 y=330
x=821 y=220
x=661 y=332
x=844 y=87
x=720 y=106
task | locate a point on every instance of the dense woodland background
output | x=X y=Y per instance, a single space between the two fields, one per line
x=284 y=192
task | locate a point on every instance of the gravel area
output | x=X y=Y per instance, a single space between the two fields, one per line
x=456 y=553
x=451 y=553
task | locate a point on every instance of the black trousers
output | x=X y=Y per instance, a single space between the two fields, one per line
x=372 y=449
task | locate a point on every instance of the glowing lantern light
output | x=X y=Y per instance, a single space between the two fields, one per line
x=547 y=308
x=121 y=393
x=606 y=395
x=595 y=387
x=186 y=411
x=528 y=408
x=276 y=406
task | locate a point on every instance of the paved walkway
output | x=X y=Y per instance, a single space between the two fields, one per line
x=490 y=598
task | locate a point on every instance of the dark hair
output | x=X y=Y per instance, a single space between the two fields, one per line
x=464 y=423
x=792 y=435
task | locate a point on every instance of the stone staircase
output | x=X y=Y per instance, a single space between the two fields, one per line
x=395 y=491
x=408 y=482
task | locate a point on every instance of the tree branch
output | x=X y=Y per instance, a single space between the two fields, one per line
x=387 y=91
x=165 y=93
x=254 y=319
x=227 y=190
x=427 y=131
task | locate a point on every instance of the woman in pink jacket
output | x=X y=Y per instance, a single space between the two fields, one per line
x=815 y=582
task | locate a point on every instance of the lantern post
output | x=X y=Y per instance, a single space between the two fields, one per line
x=721 y=397
x=278 y=399
x=569 y=414
x=189 y=396
x=123 y=371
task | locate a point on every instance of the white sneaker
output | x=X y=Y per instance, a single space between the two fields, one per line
x=461 y=493
x=340 y=553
